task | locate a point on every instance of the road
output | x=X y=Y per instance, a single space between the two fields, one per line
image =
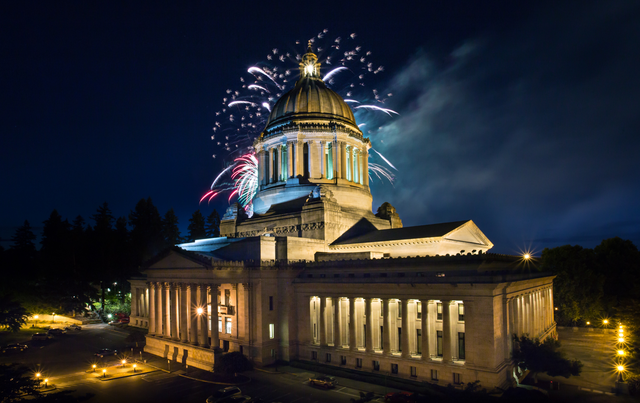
x=66 y=359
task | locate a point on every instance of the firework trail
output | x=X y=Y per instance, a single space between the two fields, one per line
x=245 y=111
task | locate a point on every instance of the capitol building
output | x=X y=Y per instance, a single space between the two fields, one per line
x=315 y=276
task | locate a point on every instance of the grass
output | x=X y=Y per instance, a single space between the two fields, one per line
x=7 y=337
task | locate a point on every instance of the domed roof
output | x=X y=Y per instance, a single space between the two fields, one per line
x=310 y=98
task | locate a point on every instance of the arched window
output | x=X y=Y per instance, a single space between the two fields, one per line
x=349 y=176
x=305 y=159
x=285 y=162
x=329 y=160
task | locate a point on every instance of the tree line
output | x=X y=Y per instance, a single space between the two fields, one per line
x=79 y=262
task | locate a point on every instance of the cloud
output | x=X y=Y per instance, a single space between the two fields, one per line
x=532 y=134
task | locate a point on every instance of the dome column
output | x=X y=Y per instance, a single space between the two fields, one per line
x=365 y=168
x=337 y=164
x=343 y=160
x=299 y=155
x=290 y=159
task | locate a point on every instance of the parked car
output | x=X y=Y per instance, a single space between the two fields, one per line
x=106 y=352
x=323 y=381
x=40 y=337
x=9 y=348
x=56 y=332
x=75 y=327
x=399 y=397
x=221 y=394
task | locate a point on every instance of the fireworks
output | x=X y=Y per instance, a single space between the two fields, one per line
x=245 y=111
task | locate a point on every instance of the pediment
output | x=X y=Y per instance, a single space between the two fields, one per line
x=468 y=233
x=175 y=260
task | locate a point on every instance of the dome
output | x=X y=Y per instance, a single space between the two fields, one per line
x=312 y=99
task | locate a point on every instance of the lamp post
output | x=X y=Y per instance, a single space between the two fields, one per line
x=46 y=381
x=104 y=373
x=94 y=367
x=134 y=368
x=36 y=318
x=620 y=369
x=123 y=362
x=53 y=320
x=38 y=378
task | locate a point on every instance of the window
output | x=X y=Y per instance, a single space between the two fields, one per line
x=376 y=365
x=336 y=274
x=351 y=275
x=419 y=274
x=418 y=310
x=314 y=355
x=309 y=275
x=219 y=324
x=461 y=345
x=414 y=372
x=381 y=337
x=358 y=362
x=227 y=297
x=399 y=339
x=367 y=275
x=394 y=368
x=273 y=353
x=228 y=325
x=439 y=343
x=328 y=357
x=305 y=159
x=219 y=297
x=315 y=331
x=457 y=378
x=329 y=160
x=271 y=303
x=419 y=341
x=322 y=275
x=399 y=310
x=383 y=274
x=461 y=312
x=439 y=311
x=272 y=331
x=343 y=360
x=434 y=374
x=400 y=274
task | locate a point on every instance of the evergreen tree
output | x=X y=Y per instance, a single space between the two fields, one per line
x=103 y=248
x=146 y=235
x=56 y=252
x=196 y=226
x=23 y=244
x=213 y=224
x=170 y=230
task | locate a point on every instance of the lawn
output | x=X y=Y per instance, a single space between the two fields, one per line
x=7 y=337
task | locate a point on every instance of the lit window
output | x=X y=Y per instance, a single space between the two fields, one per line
x=461 y=312
x=228 y=325
x=439 y=311
x=219 y=324
x=272 y=331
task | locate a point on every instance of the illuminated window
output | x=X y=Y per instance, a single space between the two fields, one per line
x=219 y=324
x=439 y=311
x=418 y=310
x=461 y=312
x=228 y=325
x=227 y=297
x=272 y=331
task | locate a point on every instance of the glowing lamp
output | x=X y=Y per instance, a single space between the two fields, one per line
x=621 y=339
x=36 y=317
x=620 y=368
x=605 y=321
x=588 y=323
x=621 y=352
x=200 y=311
x=309 y=69
x=556 y=308
x=38 y=375
x=527 y=256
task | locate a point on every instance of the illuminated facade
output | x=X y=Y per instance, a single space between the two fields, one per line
x=314 y=275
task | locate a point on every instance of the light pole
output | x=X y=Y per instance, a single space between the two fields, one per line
x=134 y=368
x=38 y=378
x=53 y=320
x=94 y=367
x=104 y=373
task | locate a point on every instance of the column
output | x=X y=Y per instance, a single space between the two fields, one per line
x=425 y=330
x=193 y=333
x=336 y=159
x=313 y=169
x=184 y=324
x=270 y=165
x=446 y=331
x=290 y=163
x=506 y=312
x=299 y=157
x=204 y=331
x=368 y=337
x=173 y=306
x=247 y=312
x=365 y=170
x=323 y=317
x=321 y=160
x=352 y=324
x=166 y=310
x=134 y=301
x=159 y=329
x=215 y=336
x=152 y=313
x=404 y=342
x=337 y=340
x=343 y=160
x=386 y=335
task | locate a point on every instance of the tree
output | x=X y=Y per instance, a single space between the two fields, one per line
x=233 y=363
x=146 y=234
x=170 y=230
x=213 y=224
x=578 y=287
x=618 y=261
x=15 y=382
x=23 y=241
x=12 y=314
x=196 y=226
x=543 y=357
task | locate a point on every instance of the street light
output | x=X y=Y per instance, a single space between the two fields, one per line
x=200 y=311
x=620 y=369
x=38 y=378
x=104 y=373
x=588 y=323
x=54 y=317
x=606 y=322
x=134 y=368
x=94 y=367
x=36 y=318
x=527 y=256
x=46 y=380
x=620 y=339
x=621 y=352
x=123 y=362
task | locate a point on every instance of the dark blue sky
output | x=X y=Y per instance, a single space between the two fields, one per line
x=521 y=117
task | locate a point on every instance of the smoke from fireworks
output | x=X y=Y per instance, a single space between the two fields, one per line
x=245 y=111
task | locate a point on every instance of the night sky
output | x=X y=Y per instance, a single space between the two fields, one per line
x=522 y=117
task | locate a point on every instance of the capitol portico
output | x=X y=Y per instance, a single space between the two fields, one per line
x=315 y=276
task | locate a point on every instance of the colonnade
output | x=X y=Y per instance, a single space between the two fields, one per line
x=410 y=328
x=531 y=313
x=182 y=312
x=313 y=159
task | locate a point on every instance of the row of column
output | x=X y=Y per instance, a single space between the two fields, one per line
x=314 y=160
x=437 y=336
x=531 y=313
x=140 y=302
x=179 y=311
